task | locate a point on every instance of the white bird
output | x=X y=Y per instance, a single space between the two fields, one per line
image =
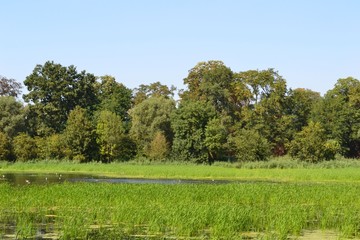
x=27 y=181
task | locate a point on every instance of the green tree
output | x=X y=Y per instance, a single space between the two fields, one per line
x=24 y=147
x=109 y=131
x=210 y=82
x=270 y=116
x=155 y=89
x=12 y=116
x=339 y=114
x=51 y=147
x=249 y=145
x=54 y=91
x=149 y=117
x=9 y=87
x=215 y=139
x=127 y=149
x=311 y=144
x=114 y=97
x=5 y=147
x=79 y=136
x=260 y=83
x=189 y=122
x=159 y=147
x=300 y=106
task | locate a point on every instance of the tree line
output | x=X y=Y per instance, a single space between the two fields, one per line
x=221 y=116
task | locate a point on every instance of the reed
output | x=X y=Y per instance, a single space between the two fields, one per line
x=275 y=170
x=204 y=211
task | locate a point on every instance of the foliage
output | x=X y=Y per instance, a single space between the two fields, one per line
x=189 y=122
x=127 y=149
x=269 y=114
x=109 y=131
x=210 y=82
x=11 y=116
x=339 y=113
x=24 y=147
x=215 y=139
x=5 y=147
x=149 y=117
x=51 y=147
x=249 y=146
x=55 y=90
x=159 y=147
x=155 y=89
x=9 y=87
x=114 y=97
x=301 y=104
x=79 y=136
x=312 y=145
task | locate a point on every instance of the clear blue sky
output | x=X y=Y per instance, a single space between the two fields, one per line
x=311 y=43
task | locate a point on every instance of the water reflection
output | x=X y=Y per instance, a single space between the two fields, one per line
x=19 y=179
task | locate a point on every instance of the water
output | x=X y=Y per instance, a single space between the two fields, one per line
x=19 y=179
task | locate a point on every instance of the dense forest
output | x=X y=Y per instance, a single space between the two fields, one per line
x=221 y=116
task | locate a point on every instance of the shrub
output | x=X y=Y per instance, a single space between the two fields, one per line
x=5 y=147
x=249 y=145
x=24 y=147
x=311 y=144
x=159 y=147
x=51 y=147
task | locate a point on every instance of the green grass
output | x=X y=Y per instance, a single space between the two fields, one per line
x=270 y=211
x=275 y=170
x=307 y=197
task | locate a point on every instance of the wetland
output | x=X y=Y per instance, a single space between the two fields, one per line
x=101 y=206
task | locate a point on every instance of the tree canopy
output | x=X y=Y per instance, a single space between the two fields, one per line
x=221 y=115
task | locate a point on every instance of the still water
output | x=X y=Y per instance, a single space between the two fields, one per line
x=19 y=179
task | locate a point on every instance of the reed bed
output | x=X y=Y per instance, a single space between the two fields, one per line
x=192 y=211
x=281 y=169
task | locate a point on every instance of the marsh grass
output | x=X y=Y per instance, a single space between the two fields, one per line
x=132 y=211
x=278 y=169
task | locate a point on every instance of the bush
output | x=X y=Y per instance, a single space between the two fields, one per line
x=311 y=144
x=5 y=147
x=249 y=146
x=159 y=147
x=51 y=147
x=24 y=147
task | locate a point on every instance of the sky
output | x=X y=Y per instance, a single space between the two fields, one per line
x=311 y=43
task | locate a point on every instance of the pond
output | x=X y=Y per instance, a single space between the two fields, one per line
x=19 y=179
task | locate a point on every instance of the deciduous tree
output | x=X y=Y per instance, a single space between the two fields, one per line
x=12 y=116
x=110 y=131
x=79 y=136
x=311 y=144
x=55 y=90
x=149 y=117
x=339 y=114
x=9 y=87
x=155 y=89
x=189 y=122
x=114 y=97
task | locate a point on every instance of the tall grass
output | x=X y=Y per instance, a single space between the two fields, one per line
x=107 y=211
x=275 y=170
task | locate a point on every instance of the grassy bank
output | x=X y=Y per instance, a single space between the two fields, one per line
x=234 y=211
x=275 y=170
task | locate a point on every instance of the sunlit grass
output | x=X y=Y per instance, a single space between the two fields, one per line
x=274 y=210
x=338 y=171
